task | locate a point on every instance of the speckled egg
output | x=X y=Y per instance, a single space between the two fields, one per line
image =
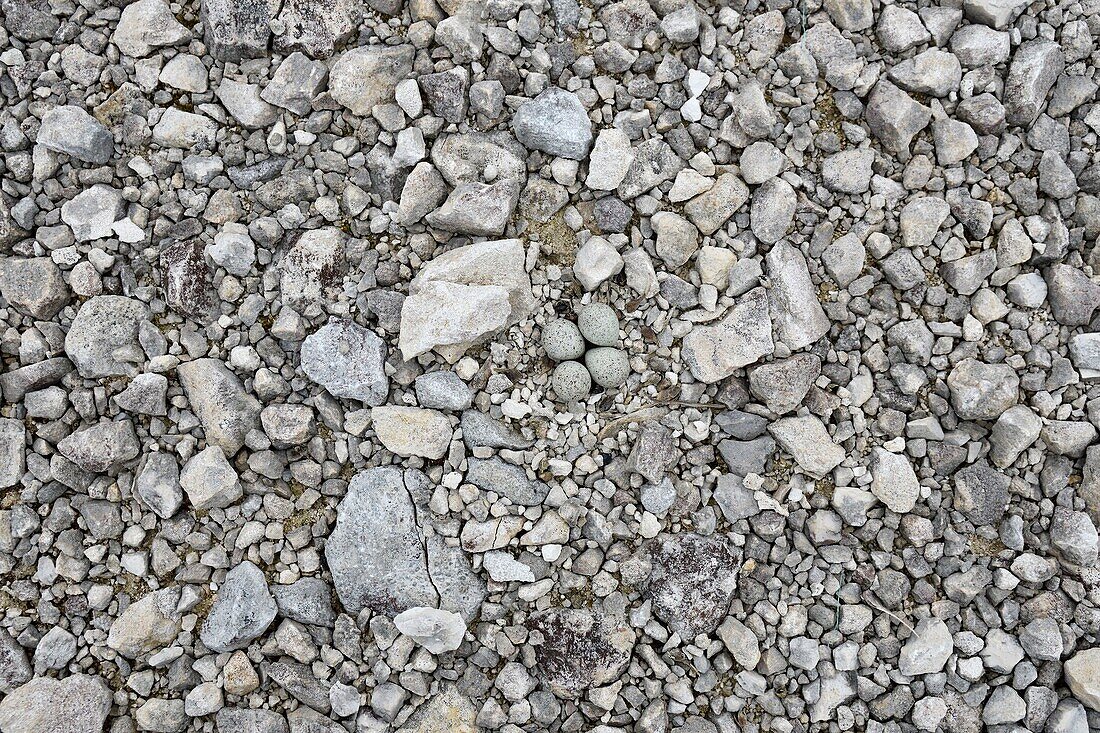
x=599 y=324
x=609 y=367
x=562 y=340
x=571 y=381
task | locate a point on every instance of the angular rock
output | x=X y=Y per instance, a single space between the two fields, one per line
x=772 y=210
x=711 y=210
x=894 y=117
x=158 y=485
x=311 y=271
x=245 y=104
x=34 y=286
x=927 y=650
x=479 y=429
x=436 y=630
x=741 y=338
x=981 y=493
x=580 y=649
x=307 y=601
x=219 y=399
x=210 y=481
x=1013 y=433
x=188 y=281
x=933 y=72
x=1082 y=672
x=348 y=361
x=186 y=130
x=1035 y=67
x=92 y=213
x=245 y=720
x=78 y=703
x=808 y=441
x=654 y=163
x=443 y=390
x=145 y=25
x=463 y=297
x=895 y=483
x=1073 y=295
x=412 y=431
x=238 y=29
x=610 y=160
x=318 y=28
x=243 y=609
x=69 y=129
x=982 y=391
x=692 y=581
x=506 y=479
x=556 y=123
x=147 y=624
x=102 y=448
x=993 y=13
x=795 y=309
x=377 y=552
x=366 y=76
x=15 y=670
x=295 y=83
x=782 y=384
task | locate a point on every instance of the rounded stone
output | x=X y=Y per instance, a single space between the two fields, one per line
x=599 y=324
x=609 y=367
x=562 y=340
x=571 y=381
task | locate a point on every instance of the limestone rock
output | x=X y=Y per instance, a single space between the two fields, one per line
x=243 y=609
x=348 y=361
x=226 y=410
x=78 y=703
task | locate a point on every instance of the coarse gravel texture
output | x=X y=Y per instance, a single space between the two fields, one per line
x=280 y=450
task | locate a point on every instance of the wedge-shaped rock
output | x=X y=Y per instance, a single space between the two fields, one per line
x=741 y=338
x=243 y=609
x=217 y=396
x=147 y=624
x=69 y=129
x=1035 y=67
x=795 y=309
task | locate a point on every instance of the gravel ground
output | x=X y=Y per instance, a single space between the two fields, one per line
x=543 y=365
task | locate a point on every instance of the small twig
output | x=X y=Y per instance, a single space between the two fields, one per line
x=879 y=608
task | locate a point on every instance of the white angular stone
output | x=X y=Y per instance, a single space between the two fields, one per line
x=436 y=630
